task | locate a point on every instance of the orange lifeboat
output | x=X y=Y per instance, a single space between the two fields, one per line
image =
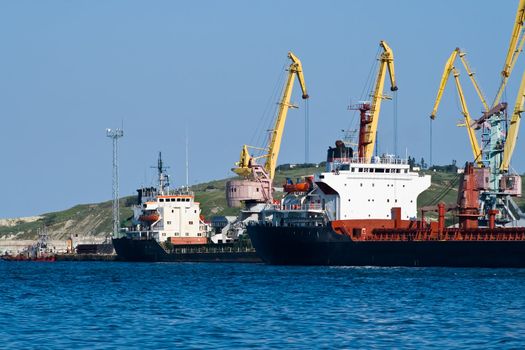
x=305 y=186
x=152 y=217
x=300 y=187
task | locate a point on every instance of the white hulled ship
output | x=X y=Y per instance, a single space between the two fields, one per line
x=168 y=215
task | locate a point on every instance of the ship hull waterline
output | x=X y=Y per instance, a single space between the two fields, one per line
x=322 y=246
x=149 y=250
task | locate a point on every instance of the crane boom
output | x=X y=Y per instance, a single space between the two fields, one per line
x=443 y=83
x=295 y=69
x=472 y=79
x=244 y=166
x=515 y=48
x=449 y=67
x=514 y=125
x=368 y=127
x=476 y=151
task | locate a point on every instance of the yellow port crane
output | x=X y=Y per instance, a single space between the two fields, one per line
x=369 y=122
x=514 y=125
x=450 y=68
x=517 y=39
x=244 y=165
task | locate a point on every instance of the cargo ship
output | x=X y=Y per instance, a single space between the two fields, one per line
x=362 y=210
x=364 y=214
x=167 y=226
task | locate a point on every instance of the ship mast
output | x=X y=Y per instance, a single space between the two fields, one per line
x=164 y=180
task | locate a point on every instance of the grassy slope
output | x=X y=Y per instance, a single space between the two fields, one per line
x=95 y=219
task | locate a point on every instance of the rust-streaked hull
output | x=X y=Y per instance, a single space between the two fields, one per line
x=323 y=246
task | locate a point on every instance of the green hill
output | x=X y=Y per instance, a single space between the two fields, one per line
x=95 y=219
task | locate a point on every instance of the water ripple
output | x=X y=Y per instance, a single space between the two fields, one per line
x=195 y=306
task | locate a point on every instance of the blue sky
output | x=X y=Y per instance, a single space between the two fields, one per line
x=71 y=69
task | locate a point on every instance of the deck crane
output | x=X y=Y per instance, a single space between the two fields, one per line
x=256 y=186
x=469 y=124
x=370 y=111
x=517 y=39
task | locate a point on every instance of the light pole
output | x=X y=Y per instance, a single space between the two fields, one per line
x=115 y=135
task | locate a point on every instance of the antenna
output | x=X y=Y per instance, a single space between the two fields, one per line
x=164 y=180
x=114 y=135
x=187 y=160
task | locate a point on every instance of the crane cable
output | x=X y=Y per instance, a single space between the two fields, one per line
x=306 y=131
x=367 y=87
x=395 y=123
x=430 y=141
x=259 y=136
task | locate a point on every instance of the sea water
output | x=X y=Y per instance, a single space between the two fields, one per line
x=99 y=305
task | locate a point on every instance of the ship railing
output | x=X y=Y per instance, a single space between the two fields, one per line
x=371 y=160
x=210 y=249
x=379 y=160
x=303 y=207
x=180 y=192
x=141 y=235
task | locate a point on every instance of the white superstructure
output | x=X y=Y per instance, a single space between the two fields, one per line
x=355 y=189
x=359 y=190
x=168 y=215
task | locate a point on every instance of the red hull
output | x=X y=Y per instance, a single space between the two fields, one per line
x=25 y=258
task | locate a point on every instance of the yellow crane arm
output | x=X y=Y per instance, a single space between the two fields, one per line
x=388 y=58
x=449 y=65
x=472 y=79
x=476 y=151
x=515 y=47
x=512 y=133
x=274 y=146
x=386 y=62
